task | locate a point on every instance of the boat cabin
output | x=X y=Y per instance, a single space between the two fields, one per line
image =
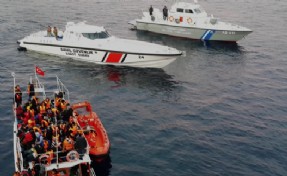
x=87 y=31
x=187 y=9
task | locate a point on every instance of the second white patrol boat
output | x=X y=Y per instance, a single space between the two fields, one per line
x=189 y=20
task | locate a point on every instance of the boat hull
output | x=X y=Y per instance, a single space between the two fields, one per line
x=192 y=32
x=103 y=57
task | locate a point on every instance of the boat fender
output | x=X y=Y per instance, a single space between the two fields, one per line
x=72 y=156
x=189 y=20
x=171 y=18
x=45 y=159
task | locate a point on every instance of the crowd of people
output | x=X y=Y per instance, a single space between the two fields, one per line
x=46 y=129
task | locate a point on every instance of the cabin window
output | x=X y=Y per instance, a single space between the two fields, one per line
x=97 y=35
x=197 y=10
x=179 y=10
x=188 y=11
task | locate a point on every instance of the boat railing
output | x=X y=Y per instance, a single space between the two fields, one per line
x=63 y=157
x=62 y=88
x=39 y=87
x=19 y=154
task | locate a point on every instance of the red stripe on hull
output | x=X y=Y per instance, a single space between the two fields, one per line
x=114 y=57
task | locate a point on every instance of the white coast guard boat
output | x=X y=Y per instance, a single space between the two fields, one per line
x=52 y=160
x=93 y=44
x=189 y=20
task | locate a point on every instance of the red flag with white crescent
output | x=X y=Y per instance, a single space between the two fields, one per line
x=39 y=71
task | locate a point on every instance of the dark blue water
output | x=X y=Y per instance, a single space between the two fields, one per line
x=220 y=110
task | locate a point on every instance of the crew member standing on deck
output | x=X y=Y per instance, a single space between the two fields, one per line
x=150 y=10
x=55 y=31
x=49 y=31
x=31 y=90
x=165 y=13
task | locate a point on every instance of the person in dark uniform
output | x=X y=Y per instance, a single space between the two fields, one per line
x=150 y=10
x=81 y=145
x=31 y=90
x=165 y=13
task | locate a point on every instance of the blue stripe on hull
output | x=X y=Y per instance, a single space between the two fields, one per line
x=207 y=34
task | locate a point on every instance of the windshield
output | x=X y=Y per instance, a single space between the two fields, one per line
x=197 y=10
x=97 y=35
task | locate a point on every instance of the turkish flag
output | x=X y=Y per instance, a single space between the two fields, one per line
x=39 y=71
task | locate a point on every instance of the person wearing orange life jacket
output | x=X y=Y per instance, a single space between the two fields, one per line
x=36 y=129
x=46 y=144
x=42 y=108
x=44 y=123
x=18 y=96
x=55 y=112
x=68 y=144
x=63 y=105
x=55 y=130
x=58 y=102
x=62 y=126
x=47 y=103
x=50 y=153
x=31 y=112
x=31 y=122
x=91 y=137
x=73 y=129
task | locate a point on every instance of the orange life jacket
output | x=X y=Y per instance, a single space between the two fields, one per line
x=50 y=154
x=68 y=145
x=48 y=104
x=45 y=123
x=32 y=112
x=57 y=101
x=55 y=111
x=36 y=129
x=63 y=106
x=91 y=139
x=46 y=145
x=42 y=109
x=31 y=123
x=74 y=130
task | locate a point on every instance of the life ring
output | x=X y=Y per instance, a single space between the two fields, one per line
x=45 y=158
x=72 y=156
x=189 y=20
x=171 y=18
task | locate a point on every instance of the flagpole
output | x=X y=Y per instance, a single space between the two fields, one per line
x=35 y=70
